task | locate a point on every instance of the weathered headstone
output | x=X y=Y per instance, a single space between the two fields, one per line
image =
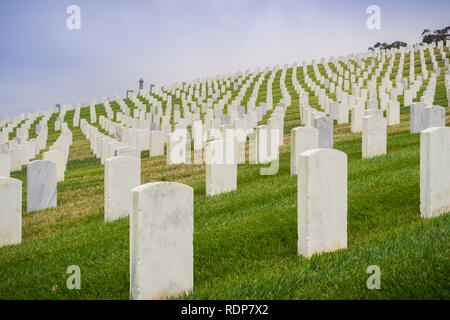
x=267 y=143
x=5 y=165
x=302 y=139
x=178 y=147
x=434 y=116
x=434 y=171
x=4 y=149
x=322 y=201
x=155 y=127
x=41 y=185
x=161 y=241
x=342 y=113
x=221 y=174
x=373 y=112
x=10 y=211
x=393 y=113
x=325 y=127
x=17 y=157
x=334 y=110
x=357 y=115
x=128 y=152
x=417 y=117
x=157 y=143
x=59 y=158
x=121 y=175
x=372 y=103
x=374 y=136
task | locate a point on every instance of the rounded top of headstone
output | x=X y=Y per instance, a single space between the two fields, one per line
x=42 y=163
x=321 y=152
x=158 y=185
x=9 y=181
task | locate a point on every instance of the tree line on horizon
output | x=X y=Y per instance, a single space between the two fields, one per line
x=427 y=37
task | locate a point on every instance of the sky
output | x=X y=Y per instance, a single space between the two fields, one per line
x=42 y=62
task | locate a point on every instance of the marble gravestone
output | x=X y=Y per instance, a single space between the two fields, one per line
x=434 y=171
x=161 y=241
x=155 y=127
x=118 y=134
x=10 y=211
x=322 y=201
x=17 y=157
x=357 y=113
x=221 y=174
x=334 y=110
x=393 y=113
x=373 y=112
x=128 y=152
x=372 y=103
x=342 y=113
x=178 y=147
x=61 y=147
x=4 y=148
x=302 y=139
x=417 y=117
x=41 y=185
x=59 y=158
x=121 y=175
x=374 y=136
x=434 y=116
x=157 y=143
x=143 y=139
x=267 y=140
x=252 y=147
x=5 y=165
x=325 y=127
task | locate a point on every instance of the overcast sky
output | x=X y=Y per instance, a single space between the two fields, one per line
x=42 y=62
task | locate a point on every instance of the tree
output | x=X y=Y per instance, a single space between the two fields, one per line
x=386 y=46
x=427 y=37
x=425 y=32
x=437 y=35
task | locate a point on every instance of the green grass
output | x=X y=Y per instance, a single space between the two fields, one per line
x=245 y=242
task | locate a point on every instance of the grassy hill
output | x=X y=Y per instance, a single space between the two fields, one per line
x=245 y=242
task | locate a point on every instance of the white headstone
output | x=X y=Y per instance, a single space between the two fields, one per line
x=374 y=136
x=221 y=173
x=5 y=165
x=393 y=113
x=325 y=127
x=357 y=116
x=178 y=147
x=121 y=175
x=156 y=143
x=41 y=185
x=342 y=114
x=417 y=117
x=322 y=201
x=161 y=241
x=434 y=116
x=302 y=139
x=17 y=157
x=434 y=171
x=59 y=158
x=10 y=211
x=128 y=152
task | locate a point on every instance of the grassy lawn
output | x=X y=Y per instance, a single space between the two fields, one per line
x=245 y=242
